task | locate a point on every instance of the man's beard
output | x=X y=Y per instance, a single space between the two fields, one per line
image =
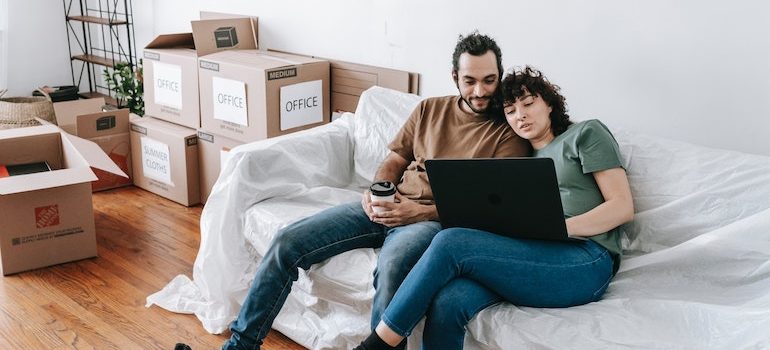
x=492 y=102
x=474 y=109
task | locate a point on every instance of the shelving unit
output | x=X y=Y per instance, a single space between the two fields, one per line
x=100 y=34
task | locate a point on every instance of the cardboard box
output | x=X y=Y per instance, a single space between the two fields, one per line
x=109 y=130
x=171 y=64
x=171 y=80
x=47 y=217
x=350 y=80
x=252 y=95
x=213 y=152
x=166 y=159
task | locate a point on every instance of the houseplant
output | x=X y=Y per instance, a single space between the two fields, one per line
x=127 y=85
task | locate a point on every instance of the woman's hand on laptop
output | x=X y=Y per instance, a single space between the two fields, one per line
x=403 y=212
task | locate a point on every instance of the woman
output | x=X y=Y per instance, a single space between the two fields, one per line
x=465 y=271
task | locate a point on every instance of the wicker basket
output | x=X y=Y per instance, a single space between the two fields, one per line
x=17 y=112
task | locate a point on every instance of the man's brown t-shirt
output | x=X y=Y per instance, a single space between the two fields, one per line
x=438 y=128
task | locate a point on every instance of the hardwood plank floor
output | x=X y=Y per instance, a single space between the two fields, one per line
x=143 y=242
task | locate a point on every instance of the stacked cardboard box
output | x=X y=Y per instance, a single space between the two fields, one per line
x=165 y=142
x=215 y=80
x=165 y=159
x=251 y=95
x=213 y=153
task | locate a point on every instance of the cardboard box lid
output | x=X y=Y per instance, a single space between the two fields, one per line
x=244 y=29
x=172 y=41
x=83 y=118
x=162 y=126
x=67 y=112
x=258 y=59
x=81 y=154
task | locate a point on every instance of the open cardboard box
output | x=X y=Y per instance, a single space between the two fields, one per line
x=108 y=129
x=47 y=217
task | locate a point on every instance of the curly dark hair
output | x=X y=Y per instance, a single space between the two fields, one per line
x=476 y=44
x=530 y=80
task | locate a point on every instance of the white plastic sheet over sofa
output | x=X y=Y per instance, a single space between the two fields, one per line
x=696 y=273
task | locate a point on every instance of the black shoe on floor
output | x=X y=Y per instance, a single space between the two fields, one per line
x=182 y=346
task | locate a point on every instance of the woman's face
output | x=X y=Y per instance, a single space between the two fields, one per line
x=529 y=116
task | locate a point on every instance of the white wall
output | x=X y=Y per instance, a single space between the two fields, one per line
x=37 y=46
x=36 y=43
x=3 y=43
x=692 y=70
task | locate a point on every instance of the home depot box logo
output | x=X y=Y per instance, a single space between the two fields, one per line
x=47 y=216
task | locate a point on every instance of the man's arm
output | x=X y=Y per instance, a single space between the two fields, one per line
x=392 y=168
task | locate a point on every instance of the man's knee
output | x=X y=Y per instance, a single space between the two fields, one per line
x=389 y=274
x=285 y=246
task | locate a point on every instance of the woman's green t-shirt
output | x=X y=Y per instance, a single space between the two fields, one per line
x=586 y=147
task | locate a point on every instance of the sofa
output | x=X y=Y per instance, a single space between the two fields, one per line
x=696 y=272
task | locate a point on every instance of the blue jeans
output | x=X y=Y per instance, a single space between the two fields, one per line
x=315 y=239
x=465 y=271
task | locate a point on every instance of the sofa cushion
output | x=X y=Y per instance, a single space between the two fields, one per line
x=683 y=190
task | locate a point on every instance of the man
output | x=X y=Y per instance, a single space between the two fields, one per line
x=465 y=126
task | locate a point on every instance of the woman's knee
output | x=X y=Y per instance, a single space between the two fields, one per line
x=451 y=240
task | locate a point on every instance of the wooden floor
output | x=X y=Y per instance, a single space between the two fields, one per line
x=143 y=242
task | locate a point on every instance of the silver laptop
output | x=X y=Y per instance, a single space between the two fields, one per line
x=515 y=197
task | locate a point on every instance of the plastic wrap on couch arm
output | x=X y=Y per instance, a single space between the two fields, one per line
x=283 y=166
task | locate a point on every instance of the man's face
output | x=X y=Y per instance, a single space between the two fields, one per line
x=477 y=79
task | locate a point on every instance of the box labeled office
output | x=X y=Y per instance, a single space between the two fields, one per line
x=171 y=79
x=108 y=129
x=47 y=217
x=166 y=159
x=252 y=95
x=171 y=64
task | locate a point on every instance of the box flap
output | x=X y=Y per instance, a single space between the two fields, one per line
x=68 y=111
x=224 y=34
x=206 y=15
x=39 y=181
x=94 y=155
x=175 y=41
x=157 y=126
x=258 y=59
x=29 y=131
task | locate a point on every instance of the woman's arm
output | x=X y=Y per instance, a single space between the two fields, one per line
x=618 y=206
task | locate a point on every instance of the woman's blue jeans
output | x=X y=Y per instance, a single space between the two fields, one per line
x=465 y=271
x=315 y=239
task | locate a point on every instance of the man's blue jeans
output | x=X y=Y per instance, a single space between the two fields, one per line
x=465 y=271
x=315 y=239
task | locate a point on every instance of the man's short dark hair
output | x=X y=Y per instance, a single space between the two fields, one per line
x=476 y=44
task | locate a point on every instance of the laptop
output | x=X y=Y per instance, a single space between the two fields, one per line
x=514 y=197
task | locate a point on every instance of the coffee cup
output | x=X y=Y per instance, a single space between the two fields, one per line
x=383 y=191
